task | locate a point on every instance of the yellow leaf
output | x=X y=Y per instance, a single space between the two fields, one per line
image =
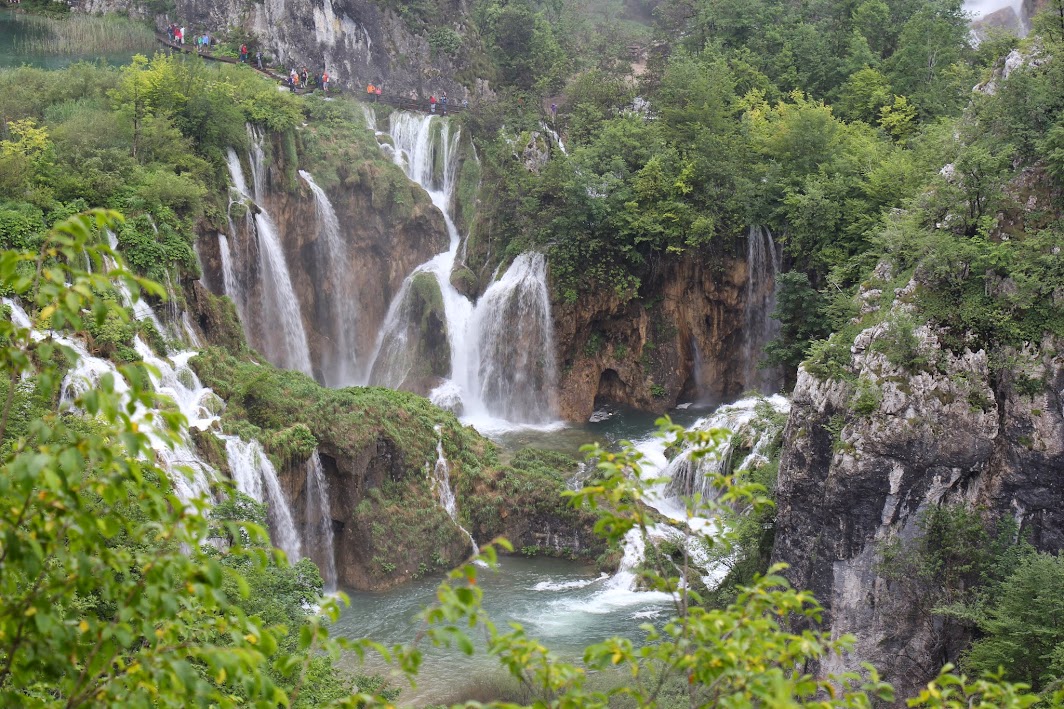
x=30 y=612
x=83 y=627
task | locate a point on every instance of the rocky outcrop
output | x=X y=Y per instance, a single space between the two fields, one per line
x=901 y=427
x=357 y=41
x=684 y=341
x=380 y=542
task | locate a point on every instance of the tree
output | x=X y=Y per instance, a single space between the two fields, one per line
x=107 y=596
x=1023 y=624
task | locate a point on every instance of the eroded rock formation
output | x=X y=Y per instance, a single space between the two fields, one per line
x=684 y=341
x=867 y=452
x=358 y=41
x=388 y=225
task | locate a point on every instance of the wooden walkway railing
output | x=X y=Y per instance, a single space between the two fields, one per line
x=406 y=104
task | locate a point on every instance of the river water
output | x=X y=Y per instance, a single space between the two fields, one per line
x=565 y=604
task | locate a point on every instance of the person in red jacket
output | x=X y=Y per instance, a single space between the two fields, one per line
x=432 y=103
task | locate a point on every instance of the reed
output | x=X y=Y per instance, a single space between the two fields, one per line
x=82 y=34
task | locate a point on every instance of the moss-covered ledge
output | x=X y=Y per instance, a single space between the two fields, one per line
x=378 y=450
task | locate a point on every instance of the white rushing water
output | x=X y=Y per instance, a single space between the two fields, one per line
x=763 y=263
x=681 y=477
x=441 y=482
x=339 y=366
x=502 y=368
x=140 y=307
x=189 y=474
x=256 y=477
x=318 y=528
x=278 y=307
x=510 y=369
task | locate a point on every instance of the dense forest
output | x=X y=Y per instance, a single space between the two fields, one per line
x=619 y=140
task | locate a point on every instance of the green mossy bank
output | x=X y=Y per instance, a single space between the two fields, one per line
x=378 y=449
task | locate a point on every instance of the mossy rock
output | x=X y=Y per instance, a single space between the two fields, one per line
x=464 y=281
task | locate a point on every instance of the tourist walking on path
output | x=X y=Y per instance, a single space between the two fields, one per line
x=303 y=76
x=443 y=103
x=258 y=58
x=377 y=95
x=432 y=103
x=243 y=53
x=182 y=35
x=325 y=81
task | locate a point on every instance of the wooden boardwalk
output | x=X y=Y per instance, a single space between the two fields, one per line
x=406 y=104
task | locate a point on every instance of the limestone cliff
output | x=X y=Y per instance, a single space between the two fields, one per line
x=685 y=340
x=893 y=425
x=388 y=226
x=357 y=41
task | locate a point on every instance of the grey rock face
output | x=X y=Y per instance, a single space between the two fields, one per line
x=357 y=41
x=951 y=432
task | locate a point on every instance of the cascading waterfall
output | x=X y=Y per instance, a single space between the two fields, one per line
x=684 y=477
x=278 y=302
x=174 y=378
x=141 y=309
x=230 y=283
x=688 y=477
x=339 y=362
x=318 y=528
x=510 y=366
x=502 y=352
x=441 y=481
x=190 y=475
x=763 y=264
x=256 y=477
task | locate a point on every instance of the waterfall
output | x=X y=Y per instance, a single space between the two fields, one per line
x=174 y=379
x=688 y=477
x=683 y=477
x=256 y=477
x=370 y=115
x=280 y=312
x=762 y=263
x=141 y=309
x=511 y=370
x=441 y=482
x=338 y=367
x=318 y=528
x=190 y=333
x=502 y=367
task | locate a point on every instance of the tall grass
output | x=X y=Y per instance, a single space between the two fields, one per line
x=82 y=34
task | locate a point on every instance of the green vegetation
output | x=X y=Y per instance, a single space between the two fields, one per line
x=109 y=595
x=819 y=121
x=148 y=139
x=736 y=655
x=987 y=580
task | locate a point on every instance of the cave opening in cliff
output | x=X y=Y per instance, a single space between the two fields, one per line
x=612 y=391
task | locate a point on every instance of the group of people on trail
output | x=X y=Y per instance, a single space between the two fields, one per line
x=442 y=102
x=374 y=92
x=175 y=33
x=302 y=79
